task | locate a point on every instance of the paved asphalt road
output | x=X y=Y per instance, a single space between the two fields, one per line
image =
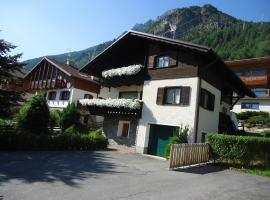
x=115 y=175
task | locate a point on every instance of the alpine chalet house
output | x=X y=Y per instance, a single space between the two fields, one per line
x=255 y=73
x=63 y=83
x=153 y=85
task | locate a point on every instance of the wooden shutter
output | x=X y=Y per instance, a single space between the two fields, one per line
x=185 y=95
x=151 y=61
x=160 y=96
x=173 y=56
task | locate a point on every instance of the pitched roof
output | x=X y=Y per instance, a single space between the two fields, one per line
x=205 y=52
x=196 y=47
x=69 y=70
x=249 y=61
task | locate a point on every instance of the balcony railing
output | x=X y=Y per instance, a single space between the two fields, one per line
x=113 y=107
x=255 y=80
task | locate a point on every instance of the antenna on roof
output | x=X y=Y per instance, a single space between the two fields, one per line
x=69 y=60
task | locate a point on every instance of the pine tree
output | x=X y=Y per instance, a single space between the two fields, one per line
x=9 y=64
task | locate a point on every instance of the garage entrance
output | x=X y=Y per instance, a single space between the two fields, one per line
x=159 y=138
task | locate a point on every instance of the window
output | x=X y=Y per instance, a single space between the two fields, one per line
x=52 y=96
x=248 y=105
x=207 y=100
x=88 y=96
x=172 y=95
x=123 y=128
x=128 y=95
x=261 y=92
x=163 y=61
x=65 y=95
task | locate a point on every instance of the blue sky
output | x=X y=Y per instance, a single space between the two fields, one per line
x=46 y=27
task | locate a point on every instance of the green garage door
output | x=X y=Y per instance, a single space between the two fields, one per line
x=159 y=137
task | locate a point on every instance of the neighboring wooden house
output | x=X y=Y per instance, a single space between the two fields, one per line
x=153 y=85
x=63 y=83
x=17 y=84
x=255 y=73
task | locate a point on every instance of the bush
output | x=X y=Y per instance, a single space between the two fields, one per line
x=173 y=140
x=266 y=133
x=5 y=122
x=240 y=149
x=69 y=116
x=259 y=119
x=181 y=136
x=89 y=141
x=77 y=129
x=34 y=115
x=248 y=114
x=54 y=119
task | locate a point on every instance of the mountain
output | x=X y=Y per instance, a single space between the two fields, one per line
x=231 y=38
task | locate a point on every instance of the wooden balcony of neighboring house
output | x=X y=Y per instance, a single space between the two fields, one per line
x=255 y=80
x=113 y=107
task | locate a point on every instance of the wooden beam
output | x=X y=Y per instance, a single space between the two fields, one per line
x=43 y=74
x=47 y=76
x=56 y=79
x=30 y=82
x=52 y=70
x=39 y=72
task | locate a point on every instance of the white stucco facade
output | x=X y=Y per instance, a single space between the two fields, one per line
x=173 y=115
x=75 y=95
x=113 y=92
x=208 y=120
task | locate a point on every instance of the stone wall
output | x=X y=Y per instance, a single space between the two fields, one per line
x=110 y=128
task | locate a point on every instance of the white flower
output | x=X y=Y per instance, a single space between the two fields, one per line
x=126 y=71
x=113 y=103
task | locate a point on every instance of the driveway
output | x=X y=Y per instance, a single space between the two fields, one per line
x=114 y=175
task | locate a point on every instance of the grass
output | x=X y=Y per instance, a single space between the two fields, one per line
x=257 y=170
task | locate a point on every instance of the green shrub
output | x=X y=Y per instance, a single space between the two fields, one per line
x=248 y=114
x=72 y=130
x=240 y=149
x=181 y=136
x=5 y=122
x=34 y=115
x=54 y=119
x=69 y=116
x=259 y=119
x=89 y=141
x=266 y=133
x=173 y=140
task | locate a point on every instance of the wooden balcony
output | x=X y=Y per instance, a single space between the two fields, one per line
x=112 y=111
x=255 y=80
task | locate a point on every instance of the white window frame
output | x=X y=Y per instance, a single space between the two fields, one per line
x=120 y=127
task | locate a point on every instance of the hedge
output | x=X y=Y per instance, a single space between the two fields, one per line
x=20 y=141
x=243 y=150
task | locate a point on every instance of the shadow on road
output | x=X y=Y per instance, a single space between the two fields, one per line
x=201 y=169
x=54 y=166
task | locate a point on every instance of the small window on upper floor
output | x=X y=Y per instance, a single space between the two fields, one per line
x=163 y=61
x=88 y=96
x=65 y=95
x=52 y=95
x=207 y=100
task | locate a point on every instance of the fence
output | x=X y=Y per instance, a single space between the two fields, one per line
x=188 y=154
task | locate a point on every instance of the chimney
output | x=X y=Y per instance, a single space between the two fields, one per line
x=70 y=62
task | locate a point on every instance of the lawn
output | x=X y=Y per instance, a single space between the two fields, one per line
x=260 y=171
